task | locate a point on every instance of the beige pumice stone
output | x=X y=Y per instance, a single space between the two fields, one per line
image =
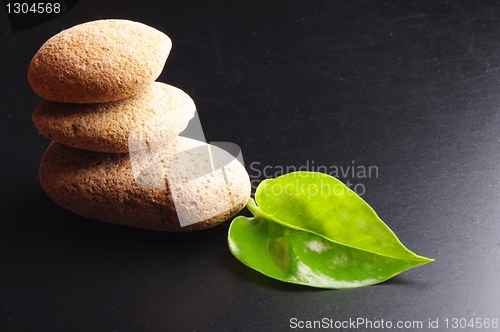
x=99 y=61
x=184 y=185
x=157 y=114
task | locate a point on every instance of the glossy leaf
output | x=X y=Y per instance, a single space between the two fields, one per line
x=309 y=228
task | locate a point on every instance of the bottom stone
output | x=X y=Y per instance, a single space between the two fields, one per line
x=182 y=185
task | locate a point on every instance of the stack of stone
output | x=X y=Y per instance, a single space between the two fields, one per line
x=116 y=154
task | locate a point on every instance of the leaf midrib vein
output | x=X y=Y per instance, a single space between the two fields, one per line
x=258 y=212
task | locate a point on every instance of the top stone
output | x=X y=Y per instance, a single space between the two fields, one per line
x=99 y=61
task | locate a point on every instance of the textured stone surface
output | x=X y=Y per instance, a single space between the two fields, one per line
x=157 y=114
x=99 y=61
x=147 y=189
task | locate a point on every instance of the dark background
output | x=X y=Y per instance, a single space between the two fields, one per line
x=412 y=88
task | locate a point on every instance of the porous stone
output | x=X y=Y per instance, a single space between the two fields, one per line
x=155 y=115
x=99 y=61
x=185 y=185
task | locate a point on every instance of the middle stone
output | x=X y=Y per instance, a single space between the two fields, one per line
x=159 y=113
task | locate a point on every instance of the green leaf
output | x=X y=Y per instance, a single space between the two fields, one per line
x=310 y=229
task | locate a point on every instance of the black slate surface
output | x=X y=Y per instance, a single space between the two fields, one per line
x=412 y=89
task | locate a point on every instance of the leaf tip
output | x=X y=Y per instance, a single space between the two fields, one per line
x=427 y=260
